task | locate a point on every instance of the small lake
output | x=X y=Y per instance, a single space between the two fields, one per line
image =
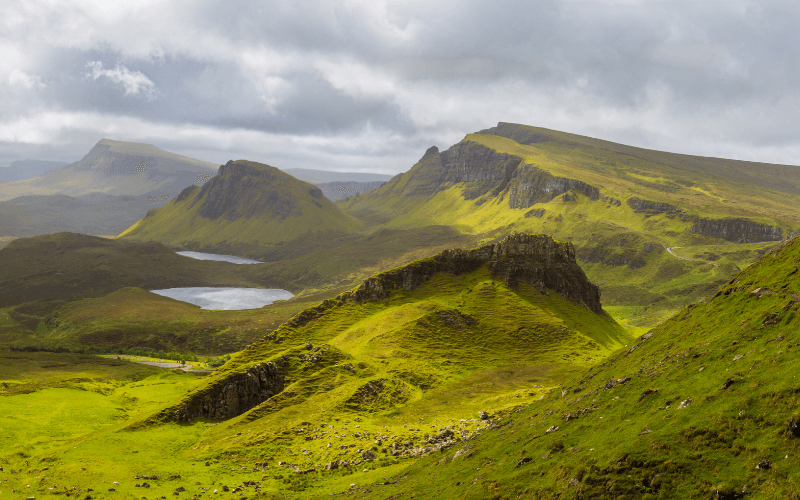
x=213 y=256
x=227 y=299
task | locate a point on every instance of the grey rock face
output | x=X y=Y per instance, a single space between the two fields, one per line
x=652 y=207
x=530 y=185
x=737 y=230
x=231 y=396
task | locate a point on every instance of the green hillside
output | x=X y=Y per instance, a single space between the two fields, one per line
x=623 y=207
x=248 y=209
x=399 y=359
x=703 y=406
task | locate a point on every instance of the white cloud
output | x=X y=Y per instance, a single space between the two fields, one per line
x=135 y=83
x=23 y=79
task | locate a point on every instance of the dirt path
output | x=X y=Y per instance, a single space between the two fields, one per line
x=162 y=365
x=669 y=249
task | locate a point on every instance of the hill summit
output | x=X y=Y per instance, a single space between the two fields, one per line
x=248 y=209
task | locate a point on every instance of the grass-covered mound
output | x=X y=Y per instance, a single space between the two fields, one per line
x=703 y=406
x=248 y=209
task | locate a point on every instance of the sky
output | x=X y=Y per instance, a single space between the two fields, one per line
x=369 y=85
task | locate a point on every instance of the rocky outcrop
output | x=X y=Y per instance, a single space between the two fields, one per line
x=230 y=396
x=626 y=249
x=531 y=185
x=479 y=171
x=737 y=230
x=652 y=207
x=536 y=260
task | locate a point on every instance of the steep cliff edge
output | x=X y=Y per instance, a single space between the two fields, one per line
x=230 y=396
x=536 y=260
x=737 y=230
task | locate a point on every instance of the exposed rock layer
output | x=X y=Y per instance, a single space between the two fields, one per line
x=537 y=260
x=737 y=230
x=232 y=395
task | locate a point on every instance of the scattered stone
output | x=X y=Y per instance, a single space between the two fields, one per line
x=610 y=384
x=181 y=488
x=764 y=464
x=553 y=428
x=5 y=384
x=646 y=431
x=573 y=482
x=225 y=488
x=686 y=402
x=738 y=357
x=483 y=415
x=726 y=384
x=445 y=434
x=623 y=380
x=332 y=465
x=308 y=347
x=369 y=455
x=645 y=393
x=522 y=461
x=794 y=427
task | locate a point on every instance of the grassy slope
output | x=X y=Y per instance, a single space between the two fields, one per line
x=436 y=366
x=262 y=235
x=728 y=360
x=612 y=240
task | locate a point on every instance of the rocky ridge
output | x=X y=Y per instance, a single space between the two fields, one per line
x=536 y=260
x=230 y=396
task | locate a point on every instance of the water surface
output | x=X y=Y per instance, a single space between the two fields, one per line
x=213 y=256
x=227 y=299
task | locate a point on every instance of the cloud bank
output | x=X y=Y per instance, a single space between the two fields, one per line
x=369 y=85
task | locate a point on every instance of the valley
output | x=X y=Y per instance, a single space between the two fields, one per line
x=526 y=314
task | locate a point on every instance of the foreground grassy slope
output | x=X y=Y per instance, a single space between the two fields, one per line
x=622 y=207
x=388 y=376
x=703 y=406
x=248 y=209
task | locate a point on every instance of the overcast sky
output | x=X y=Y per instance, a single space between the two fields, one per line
x=368 y=85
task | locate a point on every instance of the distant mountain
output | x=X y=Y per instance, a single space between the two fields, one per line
x=118 y=182
x=338 y=185
x=117 y=168
x=342 y=189
x=324 y=176
x=248 y=209
x=21 y=170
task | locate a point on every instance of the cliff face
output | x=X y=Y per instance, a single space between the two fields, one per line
x=737 y=230
x=230 y=396
x=537 y=260
x=480 y=171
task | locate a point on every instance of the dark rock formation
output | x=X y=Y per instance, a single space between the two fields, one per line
x=652 y=207
x=737 y=230
x=479 y=171
x=537 y=260
x=625 y=249
x=535 y=212
x=531 y=185
x=231 y=396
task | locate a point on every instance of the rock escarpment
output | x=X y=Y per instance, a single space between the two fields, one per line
x=536 y=260
x=482 y=171
x=231 y=396
x=737 y=230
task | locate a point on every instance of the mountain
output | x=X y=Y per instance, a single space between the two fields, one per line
x=703 y=406
x=117 y=168
x=248 y=209
x=326 y=176
x=656 y=230
x=27 y=169
x=338 y=185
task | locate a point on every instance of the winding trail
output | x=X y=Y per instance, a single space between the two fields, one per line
x=669 y=249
